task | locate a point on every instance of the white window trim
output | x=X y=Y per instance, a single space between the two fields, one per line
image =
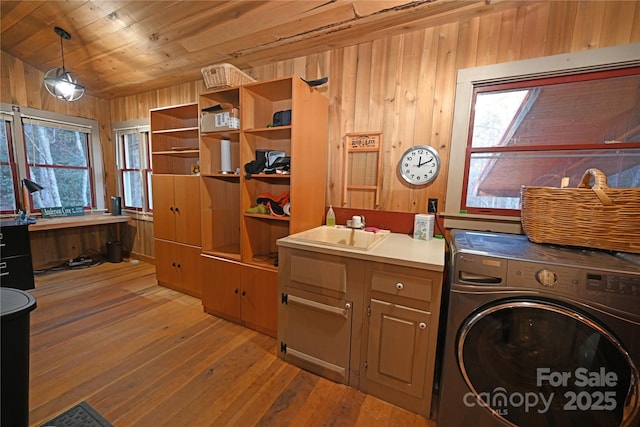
x=124 y=127
x=593 y=60
x=95 y=148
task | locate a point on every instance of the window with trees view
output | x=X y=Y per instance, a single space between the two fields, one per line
x=134 y=168
x=58 y=158
x=60 y=153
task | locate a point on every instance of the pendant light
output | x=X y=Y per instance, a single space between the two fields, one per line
x=59 y=82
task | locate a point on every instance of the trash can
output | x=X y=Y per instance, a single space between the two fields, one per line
x=15 y=307
x=114 y=251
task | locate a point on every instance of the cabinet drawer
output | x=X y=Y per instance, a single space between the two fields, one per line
x=16 y=272
x=14 y=241
x=318 y=273
x=402 y=285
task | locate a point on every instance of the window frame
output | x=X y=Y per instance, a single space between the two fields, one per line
x=36 y=121
x=17 y=201
x=497 y=149
x=143 y=128
x=95 y=147
x=470 y=79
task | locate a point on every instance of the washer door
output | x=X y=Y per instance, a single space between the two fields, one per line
x=536 y=362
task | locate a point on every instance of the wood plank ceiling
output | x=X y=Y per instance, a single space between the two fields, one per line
x=119 y=48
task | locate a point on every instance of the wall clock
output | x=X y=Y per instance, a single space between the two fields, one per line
x=419 y=165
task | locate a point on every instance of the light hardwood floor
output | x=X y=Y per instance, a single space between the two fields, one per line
x=143 y=355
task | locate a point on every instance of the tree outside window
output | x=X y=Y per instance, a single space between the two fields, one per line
x=59 y=160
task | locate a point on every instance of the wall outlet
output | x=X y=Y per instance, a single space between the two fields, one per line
x=432 y=205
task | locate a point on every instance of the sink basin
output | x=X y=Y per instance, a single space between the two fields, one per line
x=341 y=237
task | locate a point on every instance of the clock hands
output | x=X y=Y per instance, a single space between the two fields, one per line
x=420 y=164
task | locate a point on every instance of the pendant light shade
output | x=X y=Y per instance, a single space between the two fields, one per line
x=60 y=82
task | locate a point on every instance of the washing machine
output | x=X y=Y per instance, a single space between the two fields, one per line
x=539 y=335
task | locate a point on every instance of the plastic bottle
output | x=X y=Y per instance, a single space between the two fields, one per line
x=331 y=217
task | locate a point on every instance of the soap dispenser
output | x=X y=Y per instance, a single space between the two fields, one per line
x=331 y=217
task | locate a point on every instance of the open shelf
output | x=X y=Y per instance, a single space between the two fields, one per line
x=190 y=132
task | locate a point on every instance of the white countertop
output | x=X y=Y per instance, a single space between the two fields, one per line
x=399 y=249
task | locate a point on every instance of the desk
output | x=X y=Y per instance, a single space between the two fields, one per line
x=78 y=221
x=56 y=240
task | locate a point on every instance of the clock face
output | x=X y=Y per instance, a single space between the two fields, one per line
x=419 y=165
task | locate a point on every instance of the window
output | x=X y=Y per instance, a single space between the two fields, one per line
x=58 y=158
x=60 y=153
x=134 y=168
x=8 y=182
x=543 y=131
x=535 y=122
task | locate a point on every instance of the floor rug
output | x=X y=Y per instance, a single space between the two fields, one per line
x=81 y=415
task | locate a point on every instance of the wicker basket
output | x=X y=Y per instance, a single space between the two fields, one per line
x=224 y=75
x=589 y=216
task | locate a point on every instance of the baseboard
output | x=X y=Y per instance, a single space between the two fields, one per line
x=142 y=257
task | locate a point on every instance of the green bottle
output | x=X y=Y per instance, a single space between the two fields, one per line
x=331 y=217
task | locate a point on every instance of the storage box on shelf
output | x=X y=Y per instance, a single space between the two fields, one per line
x=239 y=247
x=177 y=236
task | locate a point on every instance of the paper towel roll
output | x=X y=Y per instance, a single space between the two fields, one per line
x=225 y=155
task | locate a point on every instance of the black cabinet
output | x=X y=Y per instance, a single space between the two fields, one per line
x=16 y=270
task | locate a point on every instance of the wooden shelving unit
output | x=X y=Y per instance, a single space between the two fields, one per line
x=239 y=248
x=177 y=235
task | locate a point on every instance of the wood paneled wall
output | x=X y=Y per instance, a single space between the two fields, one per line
x=403 y=85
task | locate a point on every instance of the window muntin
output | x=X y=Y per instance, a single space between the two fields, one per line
x=9 y=194
x=58 y=158
x=536 y=132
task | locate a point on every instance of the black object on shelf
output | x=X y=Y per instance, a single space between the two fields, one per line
x=317 y=82
x=116 y=205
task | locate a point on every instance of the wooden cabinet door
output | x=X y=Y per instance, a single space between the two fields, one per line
x=164 y=218
x=187 y=209
x=189 y=269
x=221 y=288
x=260 y=299
x=323 y=345
x=165 y=256
x=398 y=347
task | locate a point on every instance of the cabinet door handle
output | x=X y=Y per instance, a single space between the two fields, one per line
x=178 y=265
x=399 y=286
x=235 y=291
x=173 y=264
x=177 y=210
x=244 y=293
x=3 y=265
x=422 y=325
x=171 y=208
x=347 y=306
x=329 y=309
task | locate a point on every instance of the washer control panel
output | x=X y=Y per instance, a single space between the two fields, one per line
x=612 y=284
x=616 y=290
